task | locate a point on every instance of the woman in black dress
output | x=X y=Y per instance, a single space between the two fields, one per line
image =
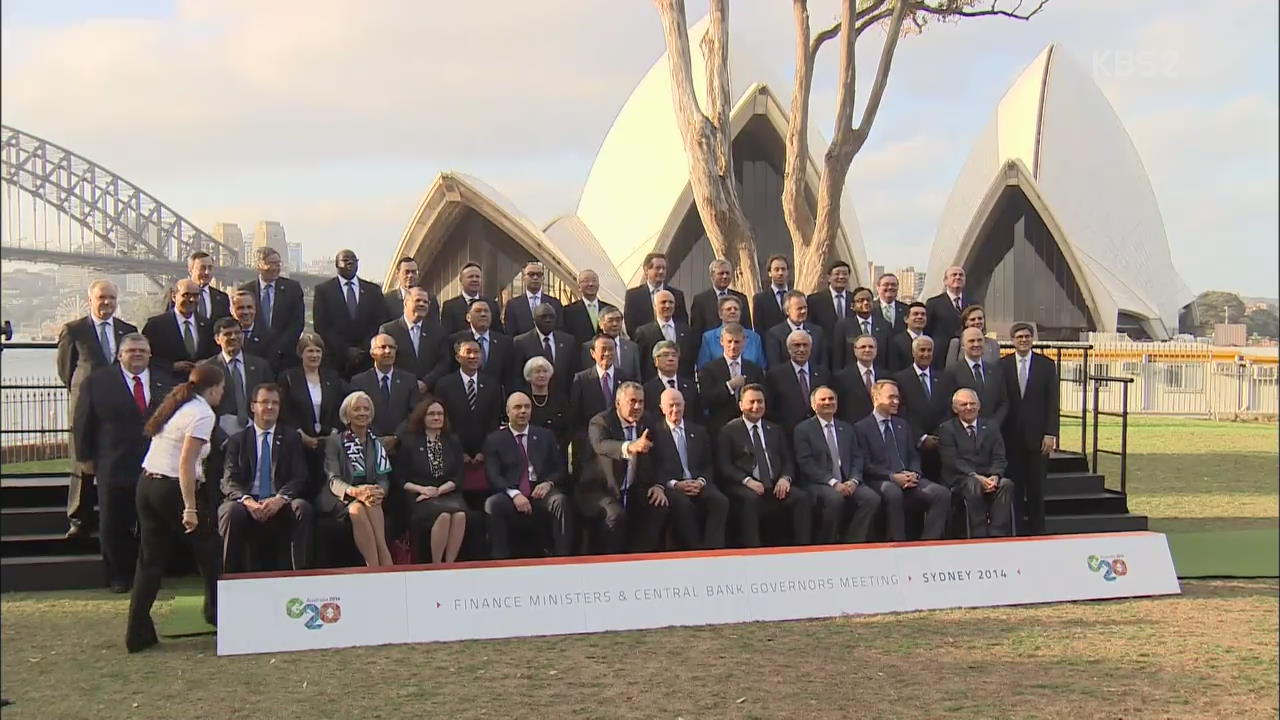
x=429 y=466
x=550 y=408
x=309 y=402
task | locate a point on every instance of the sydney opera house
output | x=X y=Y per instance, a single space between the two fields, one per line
x=1052 y=215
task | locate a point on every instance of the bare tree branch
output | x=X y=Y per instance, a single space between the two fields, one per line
x=715 y=53
x=822 y=37
x=882 y=74
x=871 y=20
x=993 y=11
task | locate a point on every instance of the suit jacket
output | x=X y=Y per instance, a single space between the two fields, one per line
x=413 y=461
x=296 y=409
x=503 y=461
x=922 y=412
x=705 y=312
x=848 y=330
x=736 y=457
x=434 y=353
x=765 y=311
x=899 y=314
x=822 y=309
x=288 y=315
x=878 y=460
x=666 y=458
x=289 y=476
x=851 y=388
x=609 y=470
x=752 y=347
x=955 y=353
x=586 y=399
x=260 y=341
x=389 y=415
x=651 y=334
x=720 y=404
x=334 y=323
x=1034 y=414
x=471 y=426
x=637 y=307
x=994 y=398
x=943 y=324
x=219 y=301
x=256 y=371
x=529 y=345
x=80 y=352
x=900 y=356
x=394 y=300
x=577 y=321
x=108 y=426
x=499 y=365
x=962 y=457
x=775 y=343
x=167 y=347
x=654 y=388
x=813 y=457
x=517 y=317
x=788 y=405
x=453 y=314
x=629 y=362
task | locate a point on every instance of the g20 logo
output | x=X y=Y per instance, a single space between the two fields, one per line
x=1111 y=568
x=317 y=615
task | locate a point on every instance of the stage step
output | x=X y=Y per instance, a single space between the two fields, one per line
x=46 y=544
x=1110 y=522
x=61 y=572
x=1067 y=462
x=1107 y=502
x=1071 y=483
x=33 y=520
x=33 y=490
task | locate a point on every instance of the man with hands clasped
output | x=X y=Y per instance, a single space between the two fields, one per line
x=524 y=470
x=830 y=467
x=682 y=459
x=973 y=462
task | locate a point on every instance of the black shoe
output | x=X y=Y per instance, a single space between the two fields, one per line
x=77 y=530
x=120 y=587
x=134 y=646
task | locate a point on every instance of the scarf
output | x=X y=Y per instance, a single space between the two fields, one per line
x=356 y=454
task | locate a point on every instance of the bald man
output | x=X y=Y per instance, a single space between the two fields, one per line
x=179 y=337
x=977 y=374
x=522 y=462
x=684 y=461
x=666 y=326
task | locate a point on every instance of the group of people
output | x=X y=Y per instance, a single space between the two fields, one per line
x=541 y=428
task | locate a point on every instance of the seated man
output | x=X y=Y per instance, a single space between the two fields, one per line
x=617 y=488
x=666 y=359
x=730 y=312
x=682 y=459
x=522 y=462
x=753 y=462
x=830 y=468
x=892 y=468
x=264 y=482
x=972 y=464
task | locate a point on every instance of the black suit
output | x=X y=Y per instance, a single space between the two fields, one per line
x=505 y=465
x=710 y=503
x=219 y=301
x=651 y=334
x=498 y=363
x=564 y=358
x=291 y=526
x=107 y=430
x=775 y=343
x=720 y=403
x=342 y=331
x=434 y=356
x=255 y=371
x=453 y=314
x=414 y=465
x=736 y=461
x=900 y=355
x=288 y=315
x=991 y=392
x=1031 y=416
x=626 y=358
x=612 y=509
x=881 y=459
x=943 y=324
x=899 y=314
x=577 y=321
x=848 y=330
x=389 y=413
x=471 y=426
x=637 y=306
x=923 y=412
x=766 y=311
x=822 y=309
x=260 y=341
x=394 y=300
x=296 y=410
x=705 y=313
x=688 y=388
x=167 y=345
x=816 y=471
x=983 y=454
x=850 y=385
x=517 y=316
x=788 y=404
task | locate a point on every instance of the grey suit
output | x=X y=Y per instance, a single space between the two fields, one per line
x=389 y=413
x=820 y=475
x=963 y=459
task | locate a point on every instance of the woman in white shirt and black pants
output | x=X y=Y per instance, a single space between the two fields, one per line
x=167 y=514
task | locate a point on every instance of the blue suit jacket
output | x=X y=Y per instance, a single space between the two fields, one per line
x=711 y=350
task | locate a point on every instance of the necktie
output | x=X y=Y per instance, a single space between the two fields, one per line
x=840 y=305
x=484 y=349
x=924 y=380
x=139 y=395
x=351 y=298
x=763 y=468
x=781 y=294
x=682 y=448
x=1022 y=375
x=594 y=314
x=887 y=310
x=604 y=390
x=189 y=338
x=266 y=304
x=534 y=302
x=415 y=332
x=671 y=383
x=386 y=388
x=547 y=349
x=891 y=439
x=833 y=448
x=959 y=307
x=264 y=467
x=630 y=432
x=866 y=327
x=104 y=338
x=669 y=332
x=524 y=465
x=803 y=378
x=471 y=392
x=868 y=380
x=201 y=309
x=237 y=390
x=735 y=370
x=973 y=434
x=978 y=379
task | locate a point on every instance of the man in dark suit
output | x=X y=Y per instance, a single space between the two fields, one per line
x=864 y=321
x=638 y=303
x=978 y=375
x=497 y=355
x=84 y=345
x=280 y=304
x=1031 y=427
x=944 y=313
x=666 y=326
x=619 y=495
x=213 y=303
x=592 y=392
x=453 y=313
x=891 y=467
x=115 y=401
x=626 y=354
x=347 y=312
x=755 y=468
x=259 y=339
x=394 y=391
x=517 y=318
x=473 y=404
x=265 y=486
x=582 y=316
x=768 y=307
x=705 y=313
x=544 y=340
x=973 y=464
x=900 y=355
x=425 y=351
x=528 y=482
x=888 y=306
x=854 y=383
x=830 y=469
x=791 y=383
x=775 y=342
x=178 y=338
x=684 y=463
x=923 y=403
x=666 y=361
x=832 y=303
x=720 y=381
x=243 y=373
x=406 y=280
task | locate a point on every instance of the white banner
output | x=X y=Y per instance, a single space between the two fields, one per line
x=343 y=608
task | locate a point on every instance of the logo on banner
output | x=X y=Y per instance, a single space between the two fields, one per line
x=315 y=613
x=1111 y=567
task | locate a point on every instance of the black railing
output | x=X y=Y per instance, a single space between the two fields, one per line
x=34 y=413
x=1081 y=378
x=1098 y=381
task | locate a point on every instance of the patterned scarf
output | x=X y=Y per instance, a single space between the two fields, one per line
x=355 y=455
x=435 y=453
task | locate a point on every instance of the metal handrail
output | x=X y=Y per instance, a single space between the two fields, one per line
x=1098 y=381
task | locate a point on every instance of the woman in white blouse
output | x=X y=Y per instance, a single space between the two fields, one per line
x=167 y=514
x=359 y=476
x=310 y=402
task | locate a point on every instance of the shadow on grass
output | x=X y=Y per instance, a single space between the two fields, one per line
x=1212 y=524
x=1238 y=588
x=1215 y=473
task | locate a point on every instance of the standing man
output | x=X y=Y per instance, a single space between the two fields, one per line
x=865 y=321
x=281 y=306
x=473 y=404
x=426 y=349
x=684 y=463
x=234 y=412
x=582 y=316
x=730 y=312
x=944 y=313
x=178 y=338
x=854 y=383
x=887 y=304
x=900 y=355
x=213 y=303
x=1031 y=427
x=830 y=468
x=259 y=340
x=832 y=304
x=791 y=383
x=978 y=375
x=453 y=313
x=545 y=340
x=84 y=345
x=618 y=494
x=923 y=403
x=592 y=392
x=705 y=313
x=666 y=360
x=722 y=379
x=518 y=316
x=639 y=302
x=115 y=402
x=973 y=465
x=347 y=312
x=666 y=326
x=626 y=355
x=394 y=390
x=497 y=356
x=406 y=280
x=769 y=305
x=775 y=343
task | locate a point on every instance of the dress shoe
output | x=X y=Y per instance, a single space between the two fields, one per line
x=77 y=530
x=120 y=587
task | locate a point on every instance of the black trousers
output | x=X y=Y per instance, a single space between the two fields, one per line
x=160 y=519
x=833 y=508
x=80 y=497
x=708 y=510
x=552 y=518
x=612 y=525
x=998 y=504
x=748 y=509
x=288 y=532
x=118 y=527
x=934 y=498
x=1028 y=467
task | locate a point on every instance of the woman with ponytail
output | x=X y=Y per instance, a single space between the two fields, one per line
x=167 y=514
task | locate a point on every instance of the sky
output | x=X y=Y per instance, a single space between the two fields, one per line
x=333 y=117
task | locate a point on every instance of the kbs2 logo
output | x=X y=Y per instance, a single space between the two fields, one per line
x=1111 y=567
x=318 y=612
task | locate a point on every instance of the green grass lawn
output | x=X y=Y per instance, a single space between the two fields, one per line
x=59 y=465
